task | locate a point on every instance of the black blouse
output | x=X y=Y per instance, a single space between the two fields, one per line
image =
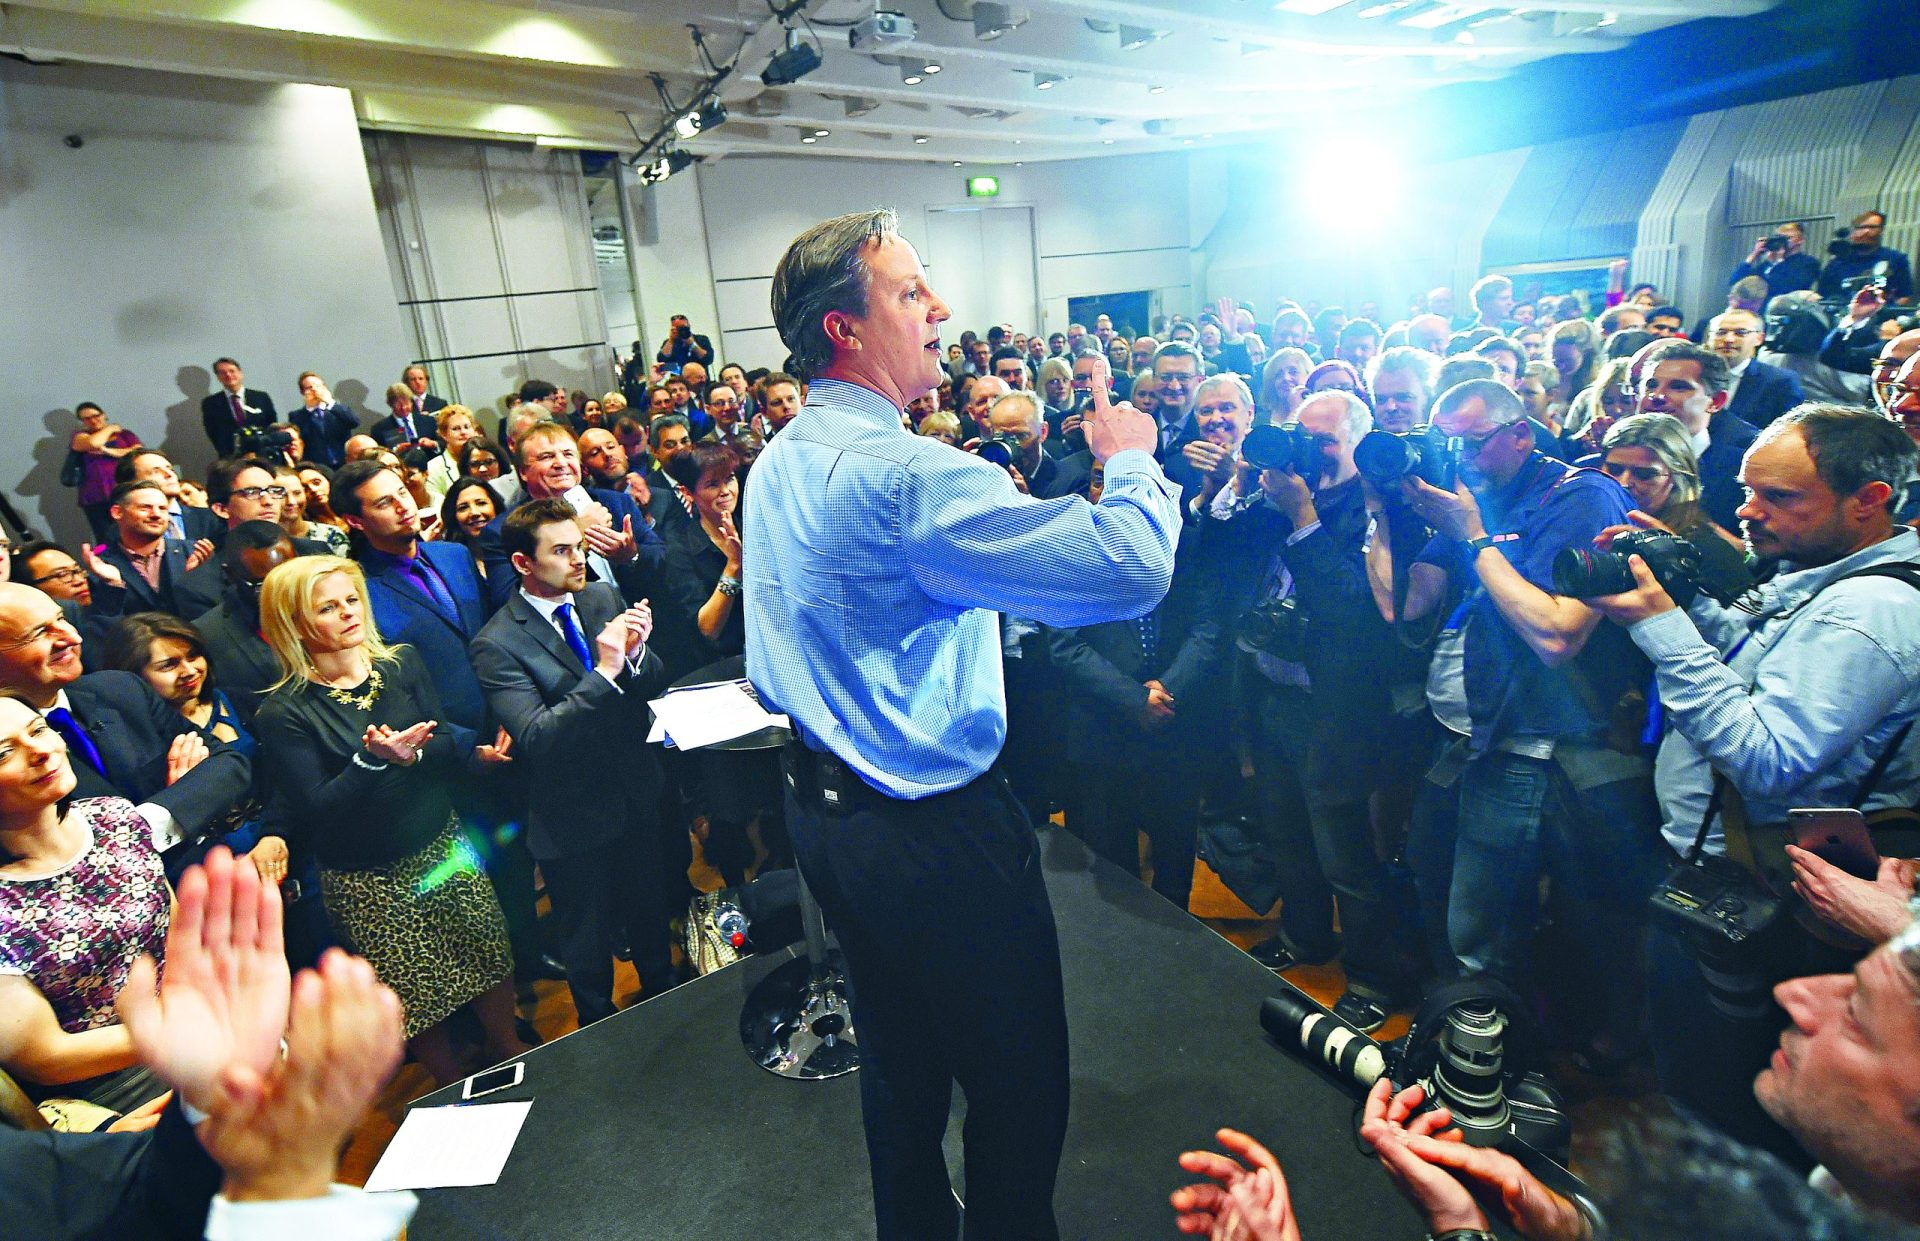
x=353 y=818
x=694 y=567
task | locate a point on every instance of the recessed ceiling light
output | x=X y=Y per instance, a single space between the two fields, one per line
x=809 y=139
x=910 y=76
x=920 y=138
x=1156 y=90
x=930 y=67
x=1106 y=142
x=956 y=163
x=1047 y=81
x=819 y=133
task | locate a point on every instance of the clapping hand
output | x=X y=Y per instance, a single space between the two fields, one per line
x=639 y=626
x=218 y=1014
x=184 y=754
x=402 y=746
x=199 y=554
x=1236 y=1203
x=105 y=573
x=614 y=545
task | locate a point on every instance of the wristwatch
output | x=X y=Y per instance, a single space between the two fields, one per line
x=1462 y=1234
x=1480 y=544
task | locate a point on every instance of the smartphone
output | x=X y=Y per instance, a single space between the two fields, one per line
x=486 y=1083
x=1836 y=835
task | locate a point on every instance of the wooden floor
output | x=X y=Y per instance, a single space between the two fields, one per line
x=553 y=1015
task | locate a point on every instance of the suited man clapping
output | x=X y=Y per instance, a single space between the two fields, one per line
x=141 y=568
x=567 y=670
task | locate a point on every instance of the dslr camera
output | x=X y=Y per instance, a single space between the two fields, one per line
x=263 y=442
x=999 y=449
x=1286 y=447
x=1425 y=453
x=1584 y=572
x=1278 y=628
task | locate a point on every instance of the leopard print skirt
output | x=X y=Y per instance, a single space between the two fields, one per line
x=428 y=922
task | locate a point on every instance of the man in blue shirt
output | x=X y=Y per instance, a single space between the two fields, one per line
x=875 y=561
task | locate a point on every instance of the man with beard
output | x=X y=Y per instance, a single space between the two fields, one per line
x=184 y=521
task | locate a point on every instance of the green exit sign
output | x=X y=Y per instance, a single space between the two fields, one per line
x=983 y=187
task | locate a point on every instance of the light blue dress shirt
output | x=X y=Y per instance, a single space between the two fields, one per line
x=875 y=560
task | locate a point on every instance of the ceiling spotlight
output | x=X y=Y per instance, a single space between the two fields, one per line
x=931 y=67
x=665 y=166
x=819 y=133
x=701 y=120
x=1156 y=90
x=1047 y=81
x=1132 y=37
x=956 y=163
x=920 y=139
x=1106 y=142
x=809 y=139
x=990 y=21
x=791 y=63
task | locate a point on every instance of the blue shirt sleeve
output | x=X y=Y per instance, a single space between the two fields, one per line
x=1577 y=511
x=971 y=540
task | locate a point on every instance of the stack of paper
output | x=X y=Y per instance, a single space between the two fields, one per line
x=441 y=1146
x=703 y=715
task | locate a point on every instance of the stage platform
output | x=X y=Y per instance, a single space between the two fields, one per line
x=654 y=1123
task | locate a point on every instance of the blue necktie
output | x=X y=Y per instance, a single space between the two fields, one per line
x=570 y=630
x=76 y=737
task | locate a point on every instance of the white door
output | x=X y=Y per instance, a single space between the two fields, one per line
x=980 y=261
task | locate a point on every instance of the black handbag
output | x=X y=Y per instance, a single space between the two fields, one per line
x=74 y=469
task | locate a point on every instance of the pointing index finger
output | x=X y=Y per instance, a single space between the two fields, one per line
x=1098 y=388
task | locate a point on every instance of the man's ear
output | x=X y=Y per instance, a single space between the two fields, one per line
x=522 y=563
x=839 y=329
x=219 y=510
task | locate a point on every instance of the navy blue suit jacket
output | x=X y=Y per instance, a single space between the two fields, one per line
x=1720 y=490
x=1764 y=394
x=132 y=727
x=644 y=577
x=404 y=615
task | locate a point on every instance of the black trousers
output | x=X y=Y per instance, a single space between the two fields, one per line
x=949 y=938
x=1111 y=803
x=598 y=895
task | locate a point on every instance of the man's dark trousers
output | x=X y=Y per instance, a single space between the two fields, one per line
x=942 y=913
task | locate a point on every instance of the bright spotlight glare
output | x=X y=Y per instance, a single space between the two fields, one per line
x=1351 y=189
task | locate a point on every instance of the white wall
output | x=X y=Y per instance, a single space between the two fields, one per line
x=1100 y=226
x=201 y=217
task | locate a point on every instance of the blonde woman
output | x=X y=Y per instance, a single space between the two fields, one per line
x=457 y=429
x=350 y=740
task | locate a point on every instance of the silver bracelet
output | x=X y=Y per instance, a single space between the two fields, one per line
x=730 y=587
x=360 y=761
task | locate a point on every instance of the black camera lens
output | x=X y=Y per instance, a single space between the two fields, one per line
x=1285 y=447
x=998 y=450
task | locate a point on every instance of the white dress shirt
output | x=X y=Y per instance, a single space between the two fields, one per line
x=344 y=1214
x=166 y=833
x=550 y=609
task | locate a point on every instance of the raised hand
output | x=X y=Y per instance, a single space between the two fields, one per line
x=614 y=545
x=1114 y=428
x=222 y=1006
x=730 y=545
x=610 y=646
x=277 y=1134
x=1236 y=1203
x=1872 y=909
x=1442 y=1200
x=101 y=570
x=199 y=554
x=639 y=626
x=184 y=754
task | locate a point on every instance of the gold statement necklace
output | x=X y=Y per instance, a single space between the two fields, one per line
x=364 y=700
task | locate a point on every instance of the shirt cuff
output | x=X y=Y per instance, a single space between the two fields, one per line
x=344 y=1214
x=633 y=666
x=1303 y=532
x=1132 y=461
x=1666 y=635
x=166 y=833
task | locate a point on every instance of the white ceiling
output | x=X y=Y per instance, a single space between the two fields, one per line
x=578 y=73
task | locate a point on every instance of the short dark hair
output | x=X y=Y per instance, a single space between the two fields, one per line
x=84 y=406
x=481 y=443
x=536 y=390
x=318 y=467
x=1851 y=447
x=688 y=468
x=1665 y=312
x=124 y=467
x=249 y=536
x=1008 y=352
x=122 y=490
x=706 y=393
x=1353 y=329
x=629 y=422
x=1713 y=367
x=1175 y=349
x=671 y=420
x=220 y=362
x=25 y=553
x=347 y=483
x=520 y=532
x=822 y=272
x=220 y=475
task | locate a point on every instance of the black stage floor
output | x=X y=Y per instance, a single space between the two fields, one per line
x=655 y=1124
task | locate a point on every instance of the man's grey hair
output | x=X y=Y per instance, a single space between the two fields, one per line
x=1850 y=447
x=1359 y=417
x=523 y=417
x=1406 y=360
x=1036 y=409
x=823 y=271
x=1227 y=380
x=1502 y=403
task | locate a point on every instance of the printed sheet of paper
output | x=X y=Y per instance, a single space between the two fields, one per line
x=441 y=1146
x=708 y=715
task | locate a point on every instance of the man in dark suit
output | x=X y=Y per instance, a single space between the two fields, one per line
x=184 y=521
x=429 y=596
x=146 y=566
x=1177 y=372
x=403 y=428
x=621 y=547
x=239 y=489
x=234 y=408
x=243 y=664
x=576 y=708
x=124 y=739
x=1690 y=383
x=1757 y=393
x=424 y=402
x=608 y=466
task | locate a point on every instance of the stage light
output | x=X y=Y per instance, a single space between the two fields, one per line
x=910 y=75
x=930 y=67
x=1047 y=81
x=665 y=166
x=791 y=63
x=701 y=120
x=1352 y=188
x=990 y=21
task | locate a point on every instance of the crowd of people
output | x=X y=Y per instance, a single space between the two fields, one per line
x=392 y=670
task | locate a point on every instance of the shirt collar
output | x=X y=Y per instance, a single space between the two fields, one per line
x=547 y=607
x=379 y=558
x=1734 y=372
x=60 y=703
x=1793 y=585
x=864 y=402
x=1701 y=440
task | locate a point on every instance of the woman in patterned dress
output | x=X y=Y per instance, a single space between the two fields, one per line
x=82 y=896
x=351 y=744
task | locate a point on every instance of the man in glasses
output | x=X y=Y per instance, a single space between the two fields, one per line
x=50 y=569
x=1520 y=679
x=1757 y=393
x=239 y=489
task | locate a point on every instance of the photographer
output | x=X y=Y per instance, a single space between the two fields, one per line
x=1788 y=699
x=1519 y=677
x=1316 y=654
x=682 y=346
x=1017 y=423
x=1861 y=260
x=1779 y=259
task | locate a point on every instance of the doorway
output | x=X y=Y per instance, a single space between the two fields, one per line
x=981 y=262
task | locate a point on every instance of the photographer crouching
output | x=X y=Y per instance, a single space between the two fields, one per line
x=1536 y=772
x=1801 y=694
x=1315 y=658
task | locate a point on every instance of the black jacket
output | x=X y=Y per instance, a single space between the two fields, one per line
x=134 y=595
x=243 y=664
x=1720 y=490
x=153 y=1186
x=216 y=416
x=578 y=739
x=132 y=727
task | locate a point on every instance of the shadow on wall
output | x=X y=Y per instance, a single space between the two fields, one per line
x=41 y=487
x=185 y=438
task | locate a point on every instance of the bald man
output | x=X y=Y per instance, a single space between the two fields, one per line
x=1429 y=332
x=1893 y=356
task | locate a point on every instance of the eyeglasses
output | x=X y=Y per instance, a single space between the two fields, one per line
x=254 y=493
x=72 y=573
x=1619 y=470
x=1474 y=444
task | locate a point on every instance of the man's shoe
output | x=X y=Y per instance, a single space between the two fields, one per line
x=528 y=1035
x=1363 y=1012
x=1278 y=953
x=550 y=969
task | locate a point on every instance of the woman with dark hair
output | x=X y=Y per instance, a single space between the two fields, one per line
x=100 y=444
x=317 y=479
x=470 y=504
x=485 y=460
x=1337 y=375
x=1575 y=346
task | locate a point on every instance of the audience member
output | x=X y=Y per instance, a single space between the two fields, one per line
x=184 y=520
x=241 y=659
x=402 y=427
x=141 y=569
x=324 y=424
x=1866 y=262
x=1756 y=392
x=100 y=446
x=235 y=410
x=457 y=428
x=294 y=519
x=485 y=460
x=1779 y=261
x=48 y=568
x=1691 y=384
x=1400 y=382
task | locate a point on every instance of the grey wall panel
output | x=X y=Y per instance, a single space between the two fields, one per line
x=1798 y=153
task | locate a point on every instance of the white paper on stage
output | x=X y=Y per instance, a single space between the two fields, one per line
x=703 y=715
x=466 y=1144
